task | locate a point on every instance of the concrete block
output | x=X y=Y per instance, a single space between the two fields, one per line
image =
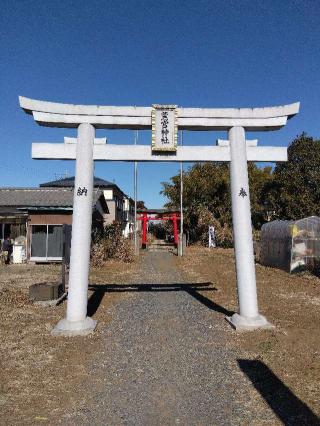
x=45 y=291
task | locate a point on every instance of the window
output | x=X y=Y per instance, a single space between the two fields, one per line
x=54 y=241
x=119 y=203
x=39 y=241
x=46 y=242
x=12 y=230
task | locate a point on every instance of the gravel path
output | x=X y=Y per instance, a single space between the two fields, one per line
x=165 y=360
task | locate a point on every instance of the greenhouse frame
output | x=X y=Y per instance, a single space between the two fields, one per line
x=291 y=245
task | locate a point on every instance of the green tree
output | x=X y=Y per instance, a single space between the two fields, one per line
x=295 y=188
x=141 y=205
x=206 y=186
x=291 y=191
x=259 y=180
x=206 y=197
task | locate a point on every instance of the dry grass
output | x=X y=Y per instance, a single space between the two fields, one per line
x=290 y=302
x=40 y=375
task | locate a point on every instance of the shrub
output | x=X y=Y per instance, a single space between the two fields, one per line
x=111 y=244
x=223 y=233
x=97 y=255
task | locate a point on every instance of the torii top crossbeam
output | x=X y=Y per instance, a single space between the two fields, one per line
x=129 y=117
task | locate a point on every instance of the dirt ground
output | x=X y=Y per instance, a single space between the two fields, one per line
x=40 y=376
x=290 y=302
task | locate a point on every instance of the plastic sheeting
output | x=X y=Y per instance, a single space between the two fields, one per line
x=291 y=245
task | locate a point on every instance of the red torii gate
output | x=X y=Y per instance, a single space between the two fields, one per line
x=160 y=214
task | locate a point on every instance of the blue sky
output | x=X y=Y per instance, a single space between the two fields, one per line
x=190 y=53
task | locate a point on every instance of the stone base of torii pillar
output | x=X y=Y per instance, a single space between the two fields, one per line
x=74 y=328
x=241 y=323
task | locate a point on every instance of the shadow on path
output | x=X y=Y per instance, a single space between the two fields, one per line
x=289 y=409
x=192 y=289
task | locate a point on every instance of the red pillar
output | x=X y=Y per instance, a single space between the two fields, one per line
x=175 y=229
x=144 y=230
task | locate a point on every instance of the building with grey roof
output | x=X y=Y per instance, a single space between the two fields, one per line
x=40 y=197
x=39 y=214
x=69 y=182
x=120 y=205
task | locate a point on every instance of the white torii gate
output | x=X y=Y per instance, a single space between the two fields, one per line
x=86 y=149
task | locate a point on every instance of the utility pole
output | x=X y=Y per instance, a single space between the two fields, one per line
x=181 y=202
x=136 y=248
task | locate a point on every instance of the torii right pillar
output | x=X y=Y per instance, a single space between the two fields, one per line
x=248 y=317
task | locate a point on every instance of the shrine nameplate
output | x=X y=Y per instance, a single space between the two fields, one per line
x=164 y=128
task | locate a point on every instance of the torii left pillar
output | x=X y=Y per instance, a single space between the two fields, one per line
x=77 y=322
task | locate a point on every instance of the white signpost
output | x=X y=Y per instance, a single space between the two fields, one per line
x=86 y=149
x=212 y=237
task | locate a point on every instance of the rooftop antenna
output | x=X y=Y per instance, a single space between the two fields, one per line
x=60 y=176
